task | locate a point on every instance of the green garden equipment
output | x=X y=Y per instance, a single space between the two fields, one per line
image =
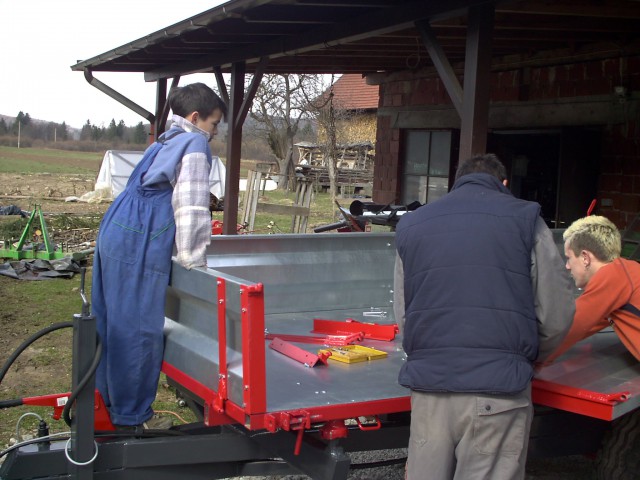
x=18 y=252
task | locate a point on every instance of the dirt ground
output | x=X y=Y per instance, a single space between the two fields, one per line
x=71 y=224
x=50 y=191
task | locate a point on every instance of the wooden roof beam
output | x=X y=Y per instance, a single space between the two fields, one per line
x=597 y=9
x=352 y=29
x=441 y=62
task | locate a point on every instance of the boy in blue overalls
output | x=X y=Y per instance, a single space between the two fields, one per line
x=166 y=201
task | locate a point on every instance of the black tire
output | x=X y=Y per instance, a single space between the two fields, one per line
x=619 y=457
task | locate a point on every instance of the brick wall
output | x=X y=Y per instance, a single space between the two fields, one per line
x=386 y=173
x=619 y=182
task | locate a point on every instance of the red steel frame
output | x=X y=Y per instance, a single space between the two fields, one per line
x=253 y=413
x=576 y=400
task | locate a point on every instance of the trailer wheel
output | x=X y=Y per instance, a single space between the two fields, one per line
x=619 y=457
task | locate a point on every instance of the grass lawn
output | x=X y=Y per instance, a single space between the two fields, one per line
x=45 y=367
x=36 y=160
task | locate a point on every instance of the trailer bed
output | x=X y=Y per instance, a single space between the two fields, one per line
x=281 y=284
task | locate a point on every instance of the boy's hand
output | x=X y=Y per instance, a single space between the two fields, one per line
x=214 y=203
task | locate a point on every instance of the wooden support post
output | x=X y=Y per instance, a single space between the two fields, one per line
x=161 y=101
x=239 y=106
x=477 y=70
x=234 y=145
x=163 y=114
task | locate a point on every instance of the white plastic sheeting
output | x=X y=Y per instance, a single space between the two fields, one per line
x=115 y=170
x=117 y=166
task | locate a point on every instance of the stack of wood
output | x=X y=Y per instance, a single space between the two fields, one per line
x=346 y=179
x=353 y=156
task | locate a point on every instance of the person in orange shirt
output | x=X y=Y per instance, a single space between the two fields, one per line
x=611 y=284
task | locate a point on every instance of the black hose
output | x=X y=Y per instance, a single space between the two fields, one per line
x=382 y=463
x=331 y=226
x=29 y=341
x=83 y=383
x=24 y=345
x=11 y=403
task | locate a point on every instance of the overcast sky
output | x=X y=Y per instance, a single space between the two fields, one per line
x=41 y=39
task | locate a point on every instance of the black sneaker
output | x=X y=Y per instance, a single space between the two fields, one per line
x=158 y=423
x=154 y=423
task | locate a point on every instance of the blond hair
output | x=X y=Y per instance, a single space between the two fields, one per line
x=595 y=234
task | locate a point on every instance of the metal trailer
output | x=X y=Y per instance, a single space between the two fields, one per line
x=265 y=413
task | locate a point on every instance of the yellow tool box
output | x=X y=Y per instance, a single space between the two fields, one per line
x=353 y=353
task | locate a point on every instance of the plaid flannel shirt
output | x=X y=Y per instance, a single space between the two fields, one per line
x=190 y=203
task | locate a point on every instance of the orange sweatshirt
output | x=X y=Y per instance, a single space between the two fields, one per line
x=612 y=297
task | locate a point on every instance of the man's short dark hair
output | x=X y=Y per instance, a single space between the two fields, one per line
x=487 y=163
x=195 y=97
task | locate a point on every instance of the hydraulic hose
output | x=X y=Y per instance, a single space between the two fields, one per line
x=16 y=402
x=382 y=463
x=83 y=383
x=331 y=226
x=28 y=342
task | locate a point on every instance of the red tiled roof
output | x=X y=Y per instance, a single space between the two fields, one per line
x=351 y=92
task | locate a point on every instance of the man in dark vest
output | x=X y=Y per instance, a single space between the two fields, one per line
x=481 y=294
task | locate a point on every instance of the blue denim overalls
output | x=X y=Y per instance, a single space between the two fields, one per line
x=131 y=270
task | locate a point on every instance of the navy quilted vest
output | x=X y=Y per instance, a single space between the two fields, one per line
x=470 y=317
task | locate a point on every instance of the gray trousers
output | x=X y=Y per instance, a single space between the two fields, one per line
x=464 y=436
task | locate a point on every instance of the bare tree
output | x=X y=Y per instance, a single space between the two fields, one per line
x=327 y=115
x=280 y=105
x=327 y=119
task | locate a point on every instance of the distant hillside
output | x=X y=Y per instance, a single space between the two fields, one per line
x=74 y=133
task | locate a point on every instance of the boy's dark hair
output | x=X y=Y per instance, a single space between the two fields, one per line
x=195 y=97
x=487 y=163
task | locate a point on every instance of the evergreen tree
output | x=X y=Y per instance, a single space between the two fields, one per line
x=4 y=128
x=63 y=132
x=18 y=124
x=120 y=129
x=112 y=130
x=87 y=131
x=96 y=132
x=140 y=134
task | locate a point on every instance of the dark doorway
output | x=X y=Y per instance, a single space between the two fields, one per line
x=580 y=155
x=556 y=168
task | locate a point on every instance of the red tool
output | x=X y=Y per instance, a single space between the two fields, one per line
x=338 y=340
x=374 y=331
x=307 y=358
x=216 y=227
x=57 y=401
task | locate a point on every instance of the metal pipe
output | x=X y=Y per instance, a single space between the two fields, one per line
x=130 y=104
